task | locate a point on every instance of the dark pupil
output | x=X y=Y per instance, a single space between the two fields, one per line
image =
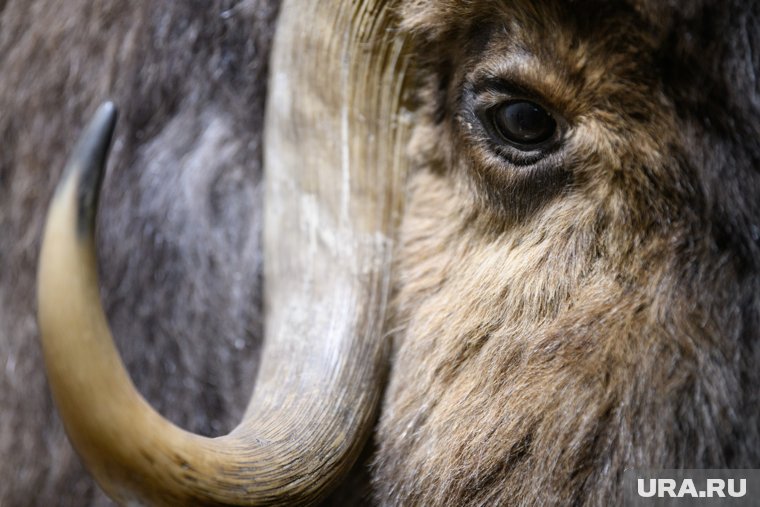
x=524 y=122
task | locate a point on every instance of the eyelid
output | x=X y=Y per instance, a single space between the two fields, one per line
x=482 y=97
x=492 y=91
x=501 y=86
x=525 y=75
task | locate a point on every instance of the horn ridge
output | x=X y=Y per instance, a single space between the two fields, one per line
x=327 y=284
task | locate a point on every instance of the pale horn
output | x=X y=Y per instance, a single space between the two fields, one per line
x=335 y=171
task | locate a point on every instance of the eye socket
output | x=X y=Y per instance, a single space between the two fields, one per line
x=523 y=123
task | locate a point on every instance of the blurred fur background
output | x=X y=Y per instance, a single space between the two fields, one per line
x=179 y=230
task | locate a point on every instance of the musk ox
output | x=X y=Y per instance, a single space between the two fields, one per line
x=512 y=245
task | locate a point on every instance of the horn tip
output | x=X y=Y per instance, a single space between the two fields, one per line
x=86 y=166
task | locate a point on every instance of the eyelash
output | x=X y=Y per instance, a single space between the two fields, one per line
x=481 y=101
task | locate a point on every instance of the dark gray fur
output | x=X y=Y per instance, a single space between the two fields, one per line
x=178 y=227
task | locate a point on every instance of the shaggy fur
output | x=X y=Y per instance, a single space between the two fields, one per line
x=562 y=319
x=555 y=320
x=179 y=226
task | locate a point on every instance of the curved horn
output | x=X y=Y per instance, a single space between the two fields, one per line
x=334 y=176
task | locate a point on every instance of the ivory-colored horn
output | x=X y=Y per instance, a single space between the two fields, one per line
x=334 y=140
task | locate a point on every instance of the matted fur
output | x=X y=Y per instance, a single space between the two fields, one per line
x=561 y=321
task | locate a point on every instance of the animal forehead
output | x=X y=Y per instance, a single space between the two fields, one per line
x=552 y=19
x=700 y=55
x=563 y=51
x=569 y=72
x=688 y=41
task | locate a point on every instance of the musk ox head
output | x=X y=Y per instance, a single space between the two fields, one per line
x=577 y=288
x=556 y=201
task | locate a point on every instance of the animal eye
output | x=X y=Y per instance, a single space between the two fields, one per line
x=523 y=123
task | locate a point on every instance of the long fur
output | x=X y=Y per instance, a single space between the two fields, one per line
x=552 y=324
x=559 y=323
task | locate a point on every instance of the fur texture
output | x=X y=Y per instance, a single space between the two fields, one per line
x=555 y=319
x=564 y=318
x=179 y=224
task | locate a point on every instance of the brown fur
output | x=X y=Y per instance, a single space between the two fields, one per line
x=598 y=310
x=553 y=323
